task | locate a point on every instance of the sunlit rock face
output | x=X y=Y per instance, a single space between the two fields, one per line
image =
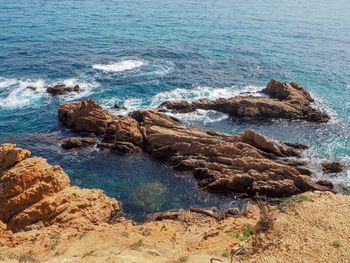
x=34 y=194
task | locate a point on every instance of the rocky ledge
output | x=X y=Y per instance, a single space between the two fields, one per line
x=34 y=194
x=286 y=101
x=243 y=163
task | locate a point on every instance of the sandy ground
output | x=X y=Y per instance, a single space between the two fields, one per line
x=314 y=228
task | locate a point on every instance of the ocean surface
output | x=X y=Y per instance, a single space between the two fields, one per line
x=140 y=53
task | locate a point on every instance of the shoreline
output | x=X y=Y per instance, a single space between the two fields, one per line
x=38 y=203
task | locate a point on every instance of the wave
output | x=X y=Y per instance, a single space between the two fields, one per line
x=120 y=66
x=86 y=88
x=201 y=92
x=200 y=116
x=19 y=93
x=315 y=165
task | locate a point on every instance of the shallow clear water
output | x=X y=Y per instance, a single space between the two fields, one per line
x=139 y=53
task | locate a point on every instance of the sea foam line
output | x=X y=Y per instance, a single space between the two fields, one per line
x=120 y=66
x=201 y=92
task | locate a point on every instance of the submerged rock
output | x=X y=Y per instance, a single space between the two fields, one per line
x=77 y=142
x=149 y=198
x=35 y=194
x=243 y=163
x=286 y=101
x=62 y=89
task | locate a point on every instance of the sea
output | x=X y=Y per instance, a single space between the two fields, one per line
x=139 y=53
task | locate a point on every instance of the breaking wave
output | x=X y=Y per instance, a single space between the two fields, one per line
x=16 y=93
x=19 y=93
x=203 y=92
x=120 y=66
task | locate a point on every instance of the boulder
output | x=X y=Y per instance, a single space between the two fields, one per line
x=34 y=194
x=286 y=101
x=62 y=89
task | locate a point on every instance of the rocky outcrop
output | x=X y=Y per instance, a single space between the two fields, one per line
x=286 y=101
x=117 y=132
x=35 y=194
x=242 y=163
x=62 y=89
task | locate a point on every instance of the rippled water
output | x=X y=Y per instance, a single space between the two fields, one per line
x=139 y=53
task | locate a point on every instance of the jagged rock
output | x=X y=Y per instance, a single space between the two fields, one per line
x=62 y=89
x=242 y=163
x=88 y=116
x=77 y=142
x=34 y=194
x=10 y=154
x=285 y=101
x=333 y=167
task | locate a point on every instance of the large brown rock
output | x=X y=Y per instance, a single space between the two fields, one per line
x=34 y=194
x=286 y=101
x=242 y=163
x=87 y=116
x=62 y=89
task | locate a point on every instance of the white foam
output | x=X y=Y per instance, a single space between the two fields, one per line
x=199 y=92
x=86 y=88
x=201 y=116
x=202 y=92
x=132 y=104
x=120 y=66
x=322 y=105
x=17 y=93
x=5 y=82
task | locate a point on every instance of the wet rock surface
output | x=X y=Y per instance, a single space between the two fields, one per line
x=62 y=89
x=332 y=167
x=34 y=194
x=286 y=101
x=78 y=142
x=222 y=163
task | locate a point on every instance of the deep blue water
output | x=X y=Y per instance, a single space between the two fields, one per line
x=138 y=53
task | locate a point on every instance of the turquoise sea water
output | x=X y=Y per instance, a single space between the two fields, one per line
x=139 y=53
